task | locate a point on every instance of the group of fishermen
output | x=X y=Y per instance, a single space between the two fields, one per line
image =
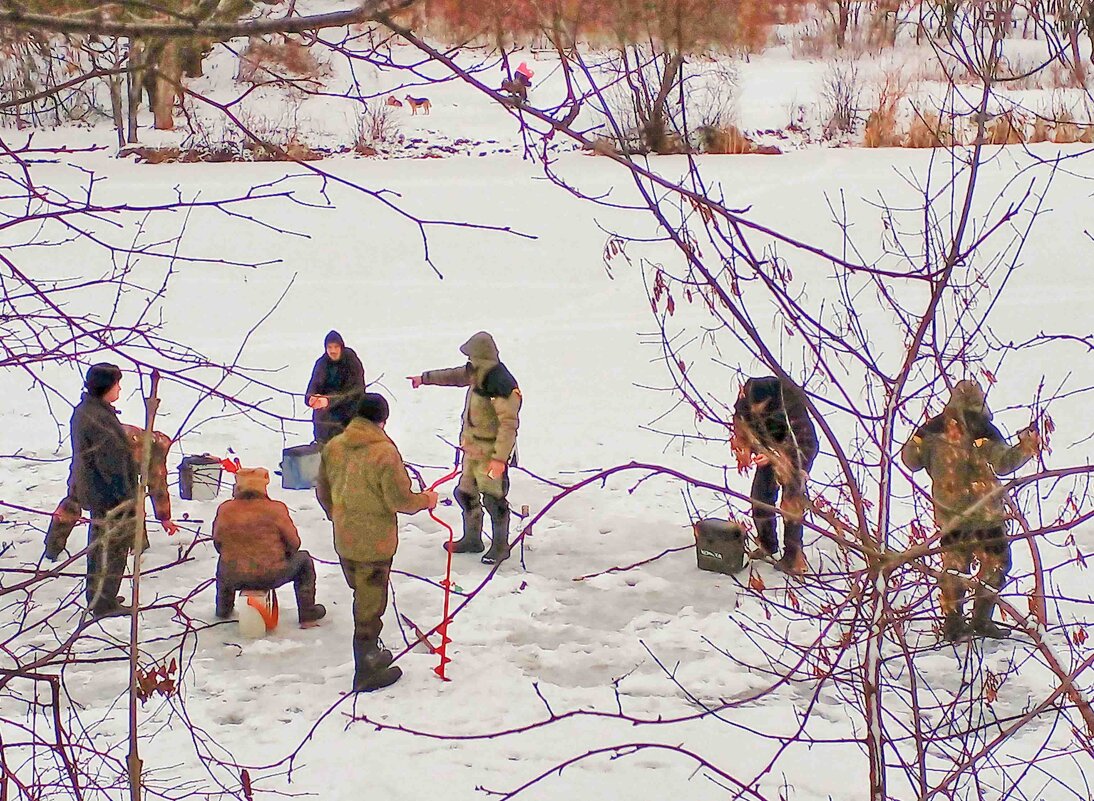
x=363 y=485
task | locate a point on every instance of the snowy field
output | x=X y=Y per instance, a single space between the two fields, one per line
x=569 y=333
x=657 y=643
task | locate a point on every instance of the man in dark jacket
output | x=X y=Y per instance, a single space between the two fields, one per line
x=104 y=481
x=336 y=386
x=771 y=428
x=259 y=548
x=363 y=487
x=491 y=416
x=964 y=453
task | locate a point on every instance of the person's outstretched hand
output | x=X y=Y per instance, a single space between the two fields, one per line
x=415 y=381
x=432 y=499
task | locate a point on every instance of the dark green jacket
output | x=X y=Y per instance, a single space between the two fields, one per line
x=363 y=485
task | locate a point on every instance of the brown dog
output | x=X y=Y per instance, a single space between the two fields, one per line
x=418 y=103
x=392 y=100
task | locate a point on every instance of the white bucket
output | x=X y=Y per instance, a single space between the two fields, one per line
x=206 y=485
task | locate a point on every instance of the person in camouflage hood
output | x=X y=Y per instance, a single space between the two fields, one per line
x=491 y=416
x=964 y=453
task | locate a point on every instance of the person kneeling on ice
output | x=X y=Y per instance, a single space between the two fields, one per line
x=363 y=485
x=964 y=453
x=259 y=548
x=772 y=429
x=491 y=417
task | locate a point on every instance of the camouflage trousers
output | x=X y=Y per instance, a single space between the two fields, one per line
x=64 y=520
x=109 y=542
x=369 y=582
x=989 y=546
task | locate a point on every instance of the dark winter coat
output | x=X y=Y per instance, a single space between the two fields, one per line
x=491 y=411
x=254 y=536
x=342 y=382
x=963 y=453
x=782 y=426
x=103 y=473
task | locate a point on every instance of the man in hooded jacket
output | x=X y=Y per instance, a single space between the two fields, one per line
x=336 y=386
x=363 y=487
x=491 y=416
x=964 y=453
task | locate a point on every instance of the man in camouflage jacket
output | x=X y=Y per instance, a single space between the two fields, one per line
x=491 y=416
x=363 y=487
x=69 y=511
x=964 y=453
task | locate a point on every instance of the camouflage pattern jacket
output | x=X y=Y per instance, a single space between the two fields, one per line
x=964 y=453
x=363 y=485
x=491 y=411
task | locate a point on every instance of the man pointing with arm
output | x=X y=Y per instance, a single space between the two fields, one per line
x=488 y=435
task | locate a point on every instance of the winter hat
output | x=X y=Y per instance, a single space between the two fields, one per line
x=525 y=70
x=335 y=338
x=373 y=407
x=480 y=346
x=101 y=377
x=252 y=479
x=763 y=389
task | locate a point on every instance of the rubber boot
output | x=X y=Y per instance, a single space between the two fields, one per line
x=982 y=624
x=471 y=541
x=372 y=666
x=308 y=611
x=954 y=628
x=226 y=600
x=793 y=563
x=113 y=610
x=499 y=527
x=312 y=614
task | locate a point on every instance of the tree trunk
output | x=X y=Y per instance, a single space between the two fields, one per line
x=844 y=19
x=114 y=85
x=167 y=72
x=135 y=84
x=657 y=133
x=1078 y=68
x=134 y=761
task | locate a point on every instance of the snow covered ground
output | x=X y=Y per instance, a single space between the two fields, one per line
x=536 y=642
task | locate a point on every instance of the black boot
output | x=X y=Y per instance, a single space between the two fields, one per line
x=955 y=629
x=307 y=610
x=499 y=527
x=226 y=599
x=471 y=541
x=110 y=610
x=372 y=666
x=982 y=624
